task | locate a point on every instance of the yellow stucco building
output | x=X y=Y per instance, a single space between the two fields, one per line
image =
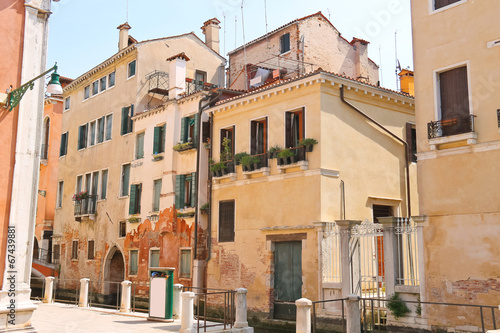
x=456 y=89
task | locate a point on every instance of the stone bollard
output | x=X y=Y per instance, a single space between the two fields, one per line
x=125 y=303
x=303 y=323
x=353 y=314
x=177 y=306
x=84 y=293
x=241 y=308
x=187 y=316
x=49 y=289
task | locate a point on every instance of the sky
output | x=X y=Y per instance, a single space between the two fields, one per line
x=83 y=32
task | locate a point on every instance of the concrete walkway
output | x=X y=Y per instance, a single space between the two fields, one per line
x=63 y=318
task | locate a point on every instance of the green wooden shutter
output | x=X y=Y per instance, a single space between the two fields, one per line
x=196 y=129
x=179 y=191
x=130 y=121
x=124 y=120
x=64 y=144
x=162 y=138
x=131 y=205
x=193 y=189
x=184 y=123
x=156 y=140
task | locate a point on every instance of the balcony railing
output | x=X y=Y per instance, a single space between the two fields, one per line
x=452 y=126
x=44 y=152
x=498 y=117
x=262 y=162
x=194 y=86
x=85 y=206
x=299 y=154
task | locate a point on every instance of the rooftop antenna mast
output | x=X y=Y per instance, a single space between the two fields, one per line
x=397 y=61
x=235 y=29
x=265 y=12
x=329 y=19
x=127 y=13
x=224 y=15
x=244 y=46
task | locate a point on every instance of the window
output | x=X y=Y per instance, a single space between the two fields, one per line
x=103 y=83
x=139 y=146
x=63 y=148
x=95 y=183
x=154 y=258
x=454 y=93
x=285 y=43
x=189 y=129
x=86 y=92
x=227 y=133
x=226 y=221
x=156 y=195
x=133 y=262
x=135 y=199
x=95 y=88
x=185 y=264
x=100 y=129
x=411 y=140
x=131 y=68
x=443 y=3
x=125 y=179
x=60 y=189
x=185 y=191
x=67 y=103
x=45 y=139
x=88 y=178
x=79 y=183
x=159 y=139
x=258 y=137
x=122 y=229
x=111 y=80
x=92 y=133
x=90 y=250
x=74 y=250
x=56 y=253
x=381 y=211
x=295 y=129
x=200 y=79
x=82 y=137
x=104 y=184
x=127 y=123
x=109 y=126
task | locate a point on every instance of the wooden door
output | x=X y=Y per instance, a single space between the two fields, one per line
x=287 y=278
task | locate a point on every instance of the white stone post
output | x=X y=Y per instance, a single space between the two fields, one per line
x=187 y=317
x=345 y=227
x=84 y=293
x=390 y=254
x=303 y=321
x=125 y=303
x=353 y=314
x=421 y=222
x=241 y=308
x=177 y=306
x=49 y=289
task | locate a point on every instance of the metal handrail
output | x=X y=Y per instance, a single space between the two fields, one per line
x=450 y=126
x=328 y=301
x=93 y=297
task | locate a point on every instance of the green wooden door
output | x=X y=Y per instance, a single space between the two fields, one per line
x=287 y=278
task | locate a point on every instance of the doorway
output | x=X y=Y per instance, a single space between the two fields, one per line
x=287 y=278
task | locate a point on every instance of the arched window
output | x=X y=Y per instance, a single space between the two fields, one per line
x=45 y=139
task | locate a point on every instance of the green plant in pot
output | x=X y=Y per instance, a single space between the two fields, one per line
x=286 y=156
x=204 y=208
x=308 y=144
x=238 y=157
x=248 y=161
x=218 y=169
x=397 y=306
x=273 y=151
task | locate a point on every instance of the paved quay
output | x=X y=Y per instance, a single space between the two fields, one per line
x=63 y=318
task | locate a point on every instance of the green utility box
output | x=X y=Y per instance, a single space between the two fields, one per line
x=161 y=293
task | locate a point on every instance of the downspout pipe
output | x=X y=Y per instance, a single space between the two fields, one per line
x=210 y=184
x=405 y=144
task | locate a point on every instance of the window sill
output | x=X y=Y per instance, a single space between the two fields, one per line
x=230 y=176
x=303 y=165
x=467 y=138
x=123 y=197
x=186 y=151
x=265 y=171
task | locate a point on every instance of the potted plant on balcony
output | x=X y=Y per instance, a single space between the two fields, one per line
x=308 y=144
x=286 y=156
x=218 y=169
x=248 y=161
x=204 y=208
x=157 y=157
x=80 y=196
x=182 y=146
x=238 y=157
x=273 y=151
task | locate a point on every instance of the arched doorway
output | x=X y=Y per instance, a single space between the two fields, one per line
x=35 y=249
x=114 y=274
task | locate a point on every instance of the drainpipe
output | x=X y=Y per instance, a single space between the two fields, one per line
x=407 y=149
x=209 y=224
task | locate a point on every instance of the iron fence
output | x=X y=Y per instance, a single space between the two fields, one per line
x=407 y=256
x=314 y=316
x=37 y=286
x=196 y=85
x=207 y=307
x=140 y=296
x=451 y=126
x=331 y=259
x=105 y=294
x=66 y=290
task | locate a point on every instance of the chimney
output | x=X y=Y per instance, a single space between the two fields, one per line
x=123 y=40
x=177 y=75
x=406 y=80
x=211 y=30
x=361 y=58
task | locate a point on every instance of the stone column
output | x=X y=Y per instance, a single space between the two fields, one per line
x=421 y=222
x=320 y=227
x=187 y=317
x=84 y=293
x=125 y=303
x=353 y=314
x=49 y=289
x=241 y=308
x=177 y=306
x=390 y=253
x=345 y=227
x=303 y=322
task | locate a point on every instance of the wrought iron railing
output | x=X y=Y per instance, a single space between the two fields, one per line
x=299 y=154
x=158 y=82
x=44 y=153
x=195 y=85
x=498 y=117
x=85 y=206
x=262 y=162
x=219 y=172
x=451 y=126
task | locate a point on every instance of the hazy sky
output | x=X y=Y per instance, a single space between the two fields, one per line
x=83 y=32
